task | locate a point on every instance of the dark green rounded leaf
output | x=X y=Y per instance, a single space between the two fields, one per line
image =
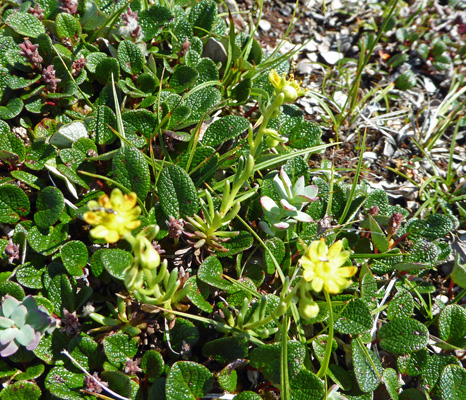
x=25 y=24
x=277 y=248
x=403 y=336
x=198 y=294
x=152 y=364
x=153 y=19
x=65 y=384
x=119 y=347
x=188 y=380
x=14 y=204
x=306 y=135
x=183 y=77
x=12 y=109
x=402 y=306
x=452 y=382
x=105 y=69
x=247 y=396
x=306 y=386
x=115 y=261
x=211 y=272
x=367 y=367
x=202 y=16
x=177 y=193
x=452 y=323
x=130 y=168
x=226 y=350
x=47 y=241
x=30 y=276
x=267 y=359
x=184 y=332
x=100 y=123
x=225 y=128
x=13 y=289
x=11 y=147
x=68 y=27
x=74 y=256
x=390 y=378
x=130 y=57
x=50 y=204
x=21 y=390
x=355 y=318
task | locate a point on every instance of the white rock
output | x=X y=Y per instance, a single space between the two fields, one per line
x=265 y=25
x=331 y=57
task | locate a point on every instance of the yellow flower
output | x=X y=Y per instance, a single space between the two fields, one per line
x=323 y=267
x=114 y=216
x=289 y=87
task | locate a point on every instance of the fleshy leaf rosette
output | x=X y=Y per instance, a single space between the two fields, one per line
x=22 y=323
x=293 y=198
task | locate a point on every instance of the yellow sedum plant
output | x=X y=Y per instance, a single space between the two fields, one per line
x=113 y=217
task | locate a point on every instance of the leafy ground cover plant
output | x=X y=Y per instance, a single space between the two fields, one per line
x=160 y=213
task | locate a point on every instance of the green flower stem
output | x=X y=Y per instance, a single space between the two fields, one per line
x=255 y=143
x=328 y=348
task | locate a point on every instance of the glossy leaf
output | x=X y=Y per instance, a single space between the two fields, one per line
x=50 y=204
x=14 y=204
x=25 y=24
x=367 y=367
x=403 y=336
x=119 y=347
x=177 y=193
x=74 y=256
x=21 y=390
x=188 y=380
x=130 y=57
x=223 y=129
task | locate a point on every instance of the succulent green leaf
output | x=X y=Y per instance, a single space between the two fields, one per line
x=65 y=384
x=99 y=124
x=306 y=386
x=355 y=318
x=130 y=57
x=267 y=359
x=277 y=248
x=226 y=350
x=152 y=364
x=68 y=27
x=182 y=78
x=403 y=336
x=223 y=129
x=69 y=134
x=14 y=204
x=74 y=256
x=118 y=348
x=452 y=382
x=188 y=380
x=21 y=390
x=153 y=20
x=177 y=193
x=367 y=367
x=198 y=294
x=402 y=306
x=390 y=378
x=12 y=109
x=50 y=204
x=131 y=169
x=211 y=272
x=105 y=69
x=25 y=24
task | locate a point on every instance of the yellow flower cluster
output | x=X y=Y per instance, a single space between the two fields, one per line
x=114 y=216
x=323 y=267
x=289 y=87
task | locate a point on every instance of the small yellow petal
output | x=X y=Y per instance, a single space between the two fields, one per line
x=317 y=284
x=99 y=232
x=112 y=237
x=347 y=272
